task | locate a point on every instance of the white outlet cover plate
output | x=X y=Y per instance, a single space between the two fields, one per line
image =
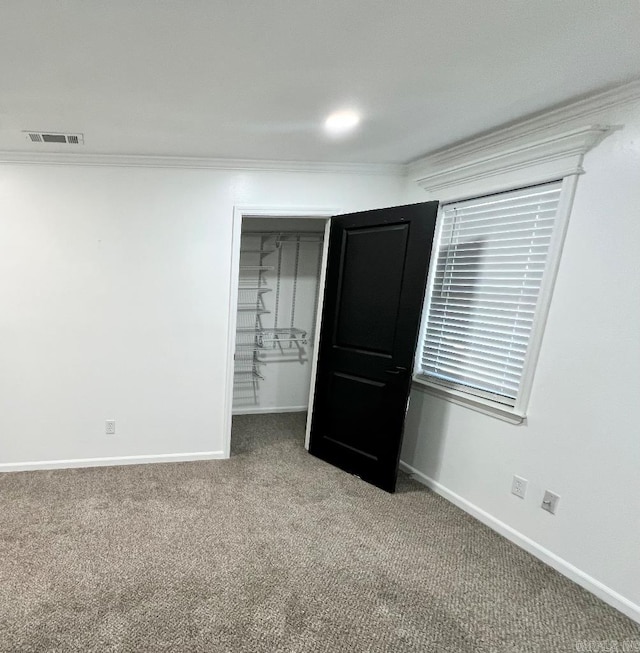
x=519 y=486
x=110 y=427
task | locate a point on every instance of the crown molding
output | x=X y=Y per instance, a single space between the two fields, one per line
x=198 y=163
x=588 y=110
x=542 y=160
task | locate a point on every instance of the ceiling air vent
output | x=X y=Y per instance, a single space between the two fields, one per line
x=55 y=137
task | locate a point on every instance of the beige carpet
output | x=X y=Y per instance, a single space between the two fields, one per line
x=270 y=551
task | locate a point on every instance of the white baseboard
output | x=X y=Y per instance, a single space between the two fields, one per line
x=619 y=602
x=257 y=410
x=116 y=460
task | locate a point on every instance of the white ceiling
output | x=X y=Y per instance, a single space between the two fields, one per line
x=256 y=78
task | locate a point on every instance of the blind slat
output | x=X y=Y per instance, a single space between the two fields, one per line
x=496 y=244
x=488 y=334
x=489 y=302
x=472 y=329
x=462 y=321
x=481 y=347
x=480 y=343
x=501 y=275
x=499 y=258
x=530 y=210
x=494 y=374
x=468 y=372
x=441 y=353
x=521 y=298
x=444 y=312
x=503 y=199
x=453 y=282
x=530 y=223
x=465 y=307
x=514 y=361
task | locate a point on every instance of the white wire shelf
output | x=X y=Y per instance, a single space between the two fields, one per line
x=256 y=268
x=246 y=358
x=250 y=373
x=276 y=336
x=252 y=309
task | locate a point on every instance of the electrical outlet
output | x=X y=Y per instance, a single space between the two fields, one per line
x=110 y=427
x=519 y=486
x=550 y=502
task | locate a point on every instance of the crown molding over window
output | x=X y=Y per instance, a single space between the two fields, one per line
x=542 y=148
x=549 y=158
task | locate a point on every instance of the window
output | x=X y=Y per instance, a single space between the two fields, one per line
x=489 y=282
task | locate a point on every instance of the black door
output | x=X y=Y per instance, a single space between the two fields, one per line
x=376 y=277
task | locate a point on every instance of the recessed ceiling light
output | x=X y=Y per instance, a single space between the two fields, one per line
x=341 y=122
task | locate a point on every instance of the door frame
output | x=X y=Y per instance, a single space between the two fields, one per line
x=248 y=211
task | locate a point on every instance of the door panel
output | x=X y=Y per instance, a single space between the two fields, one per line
x=370 y=295
x=354 y=410
x=376 y=276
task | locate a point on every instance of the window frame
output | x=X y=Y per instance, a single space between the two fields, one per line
x=517 y=413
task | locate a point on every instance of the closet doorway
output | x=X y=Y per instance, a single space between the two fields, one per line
x=277 y=289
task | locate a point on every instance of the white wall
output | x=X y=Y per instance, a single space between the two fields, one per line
x=582 y=436
x=114 y=302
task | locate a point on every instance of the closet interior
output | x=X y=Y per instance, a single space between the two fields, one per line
x=278 y=295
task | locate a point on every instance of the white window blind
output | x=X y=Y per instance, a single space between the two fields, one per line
x=491 y=259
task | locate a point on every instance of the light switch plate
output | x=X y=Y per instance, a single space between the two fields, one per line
x=550 y=502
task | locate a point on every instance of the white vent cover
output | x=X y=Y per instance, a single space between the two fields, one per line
x=55 y=137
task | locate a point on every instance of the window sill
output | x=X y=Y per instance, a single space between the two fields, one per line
x=484 y=406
